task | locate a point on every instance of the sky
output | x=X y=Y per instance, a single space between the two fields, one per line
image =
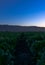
x=22 y=12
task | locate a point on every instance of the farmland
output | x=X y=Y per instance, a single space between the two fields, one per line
x=35 y=42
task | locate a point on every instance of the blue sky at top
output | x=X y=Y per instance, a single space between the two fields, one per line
x=22 y=12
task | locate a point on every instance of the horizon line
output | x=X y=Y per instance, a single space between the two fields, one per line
x=21 y=25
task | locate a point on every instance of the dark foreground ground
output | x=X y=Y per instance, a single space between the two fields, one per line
x=21 y=48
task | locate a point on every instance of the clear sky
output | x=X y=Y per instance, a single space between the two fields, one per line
x=22 y=12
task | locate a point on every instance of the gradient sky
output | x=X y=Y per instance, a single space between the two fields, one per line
x=22 y=12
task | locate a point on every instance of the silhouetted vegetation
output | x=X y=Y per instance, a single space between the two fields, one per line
x=22 y=48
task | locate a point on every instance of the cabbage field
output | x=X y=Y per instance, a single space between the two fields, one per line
x=22 y=48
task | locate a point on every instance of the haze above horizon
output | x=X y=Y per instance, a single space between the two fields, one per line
x=22 y=12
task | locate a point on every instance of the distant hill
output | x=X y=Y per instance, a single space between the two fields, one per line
x=11 y=28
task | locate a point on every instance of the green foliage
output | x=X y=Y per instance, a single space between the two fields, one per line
x=35 y=40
